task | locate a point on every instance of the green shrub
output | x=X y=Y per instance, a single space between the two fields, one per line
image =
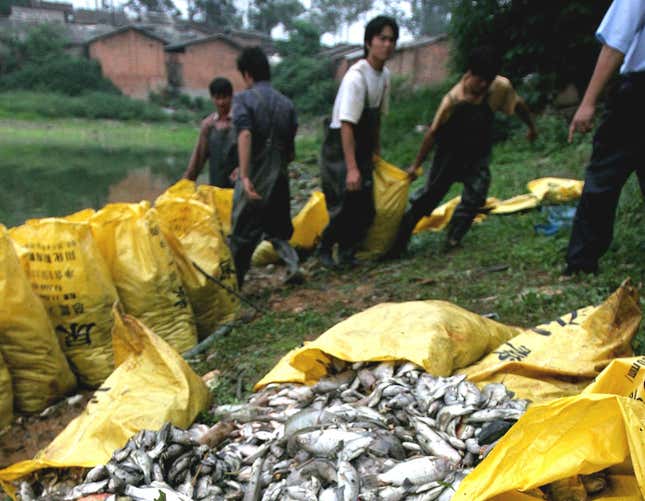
x=65 y=75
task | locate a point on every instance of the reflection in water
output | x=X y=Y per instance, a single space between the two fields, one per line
x=140 y=184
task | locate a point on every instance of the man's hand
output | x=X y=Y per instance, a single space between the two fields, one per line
x=412 y=172
x=583 y=120
x=531 y=134
x=234 y=174
x=249 y=189
x=353 y=181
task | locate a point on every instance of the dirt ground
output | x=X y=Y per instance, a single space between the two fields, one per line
x=29 y=434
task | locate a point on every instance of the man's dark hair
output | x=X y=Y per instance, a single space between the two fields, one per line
x=375 y=27
x=484 y=62
x=254 y=61
x=220 y=87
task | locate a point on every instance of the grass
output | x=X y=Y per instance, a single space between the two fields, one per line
x=57 y=167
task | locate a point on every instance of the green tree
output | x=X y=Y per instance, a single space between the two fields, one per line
x=141 y=6
x=301 y=75
x=5 y=5
x=264 y=15
x=330 y=15
x=216 y=13
x=553 y=40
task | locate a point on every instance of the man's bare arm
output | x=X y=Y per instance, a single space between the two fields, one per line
x=609 y=60
x=524 y=113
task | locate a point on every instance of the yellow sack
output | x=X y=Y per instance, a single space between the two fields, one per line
x=28 y=344
x=516 y=204
x=220 y=199
x=540 y=365
x=442 y=215
x=69 y=274
x=436 y=335
x=601 y=428
x=391 y=186
x=144 y=271
x=555 y=189
x=194 y=234
x=6 y=395
x=151 y=385
x=308 y=225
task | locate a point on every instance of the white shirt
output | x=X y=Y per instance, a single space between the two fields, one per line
x=350 y=99
x=623 y=29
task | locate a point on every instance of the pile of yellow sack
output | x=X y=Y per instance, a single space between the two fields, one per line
x=587 y=389
x=60 y=278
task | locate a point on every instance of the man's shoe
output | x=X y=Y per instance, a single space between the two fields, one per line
x=294 y=277
x=346 y=259
x=326 y=259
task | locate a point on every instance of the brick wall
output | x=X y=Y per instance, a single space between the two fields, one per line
x=201 y=62
x=422 y=65
x=134 y=62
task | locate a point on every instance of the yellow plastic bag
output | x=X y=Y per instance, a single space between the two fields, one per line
x=195 y=236
x=6 y=395
x=601 y=428
x=308 y=225
x=151 y=385
x=441 y=216
x=436 y=335
x=67 y=271
x=144 y=271
x=28 y=344
x=391 y=186
x=555 y=189
x=516 y=204
x=539 y=365
x=220 y=199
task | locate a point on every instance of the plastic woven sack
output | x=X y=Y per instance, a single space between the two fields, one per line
x=391 y=186
x=538 y=364
x=308 y=226
x=151 y=385
x=556 y=189
x=436 y=335
x=28 y=344
x=6 y=395
x=68 y=272
x=144 y=271
x=195 y=236
x=602 y=428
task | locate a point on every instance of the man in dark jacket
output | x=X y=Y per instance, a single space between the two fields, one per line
x=266 y=124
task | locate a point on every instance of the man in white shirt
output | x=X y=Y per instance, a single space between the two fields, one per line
x=351 y=140
x=618 y=147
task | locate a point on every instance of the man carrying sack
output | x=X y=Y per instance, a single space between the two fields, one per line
x=351 y=140
x=463 y=132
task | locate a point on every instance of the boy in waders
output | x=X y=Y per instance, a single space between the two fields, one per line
x=462 y=129
x=217 y=139
x=618 y=143
x=351 y=140
x=266 y=124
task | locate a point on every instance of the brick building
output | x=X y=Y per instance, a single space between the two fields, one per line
x=193 y=64
x=133 y=58
x=423 y=61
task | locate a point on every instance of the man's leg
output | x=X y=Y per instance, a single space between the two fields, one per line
x=593 y=224
x=473 y=199
x=358 y=215
x=246 y=233
x=277 y=226
x=422 y=203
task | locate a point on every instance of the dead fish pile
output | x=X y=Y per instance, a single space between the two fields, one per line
x=369 y=430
